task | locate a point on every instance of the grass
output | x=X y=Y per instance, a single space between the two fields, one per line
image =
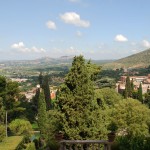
x=11 y=143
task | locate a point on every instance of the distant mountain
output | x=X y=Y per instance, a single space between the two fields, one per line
x=138 y=60
x=45 y=62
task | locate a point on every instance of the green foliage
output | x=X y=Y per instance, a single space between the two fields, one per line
x=112 y=127
x=9 y=99
x=147 y=99
x=31 y=146
x=93 y=70
x=111 y=74
x=20 y=127
x=107 y=97
x=80 y=118
x=134 y=143
x=46 y=89
x=42 y=116
x=140 y=96
x=2 y=85
x=53 y=145
x=128 y=88
x=40 y=79
x=2 y=111
x=131 y=117
x=55 y=125
x=106 y=82
x=2 y=132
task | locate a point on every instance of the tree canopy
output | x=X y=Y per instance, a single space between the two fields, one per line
x=76 y=102
x=132 y=117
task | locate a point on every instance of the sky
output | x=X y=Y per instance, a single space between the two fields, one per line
x=97 y=29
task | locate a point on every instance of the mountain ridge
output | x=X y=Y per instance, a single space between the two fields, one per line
x=138 y=60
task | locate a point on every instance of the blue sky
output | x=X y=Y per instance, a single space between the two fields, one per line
x=97 y=29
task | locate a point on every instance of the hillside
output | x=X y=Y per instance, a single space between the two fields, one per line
x=138 y=60
x=46 y=62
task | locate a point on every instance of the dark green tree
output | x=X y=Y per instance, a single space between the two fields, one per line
x=47 y=92
x=2 y=112
x=132 y=117
x=132 y=86
x=106 y=82
x=93 y=70
x=140 y=95
x=2 y=97
x=35 y=100
x=42 y=116
x=9 y=92
x=125 y=93
x=76 y=102
x=41 y=79
x=128 y=89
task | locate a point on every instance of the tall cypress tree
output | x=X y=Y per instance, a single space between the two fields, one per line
x=2 y=112
x=42 y=116
x=40 y=79
x=76 y=101
x=35 y=100
x=47 y=92
x=140 y=96
x=128 y=90
x=132 y=87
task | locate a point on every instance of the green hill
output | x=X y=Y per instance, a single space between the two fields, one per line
x=138 y=60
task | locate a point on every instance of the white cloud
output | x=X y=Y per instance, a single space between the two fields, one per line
x=79 y=34
x=120 y=38
x=51 y=25
x=146 y=43
x=20 y=47
x=34 y=49
x=74 y=18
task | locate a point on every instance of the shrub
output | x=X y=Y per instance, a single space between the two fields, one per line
x=2 y=132
x=31 y=146
x=20 y=127
x=36 y=142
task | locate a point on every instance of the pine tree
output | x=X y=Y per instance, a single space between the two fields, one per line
x=42 y=116
x=76 y=102
x=140 y=96
x=47 y=92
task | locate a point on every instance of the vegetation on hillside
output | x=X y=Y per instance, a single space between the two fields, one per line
x=139 y=60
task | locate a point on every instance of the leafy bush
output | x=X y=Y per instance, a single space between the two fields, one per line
x=2 y=132
x=31 y=146
x=36 y=143
x=133 y=143
x=112 y=127
x=53 y=145
x=20 y=127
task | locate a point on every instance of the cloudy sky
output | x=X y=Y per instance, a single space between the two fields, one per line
x=97 y=29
